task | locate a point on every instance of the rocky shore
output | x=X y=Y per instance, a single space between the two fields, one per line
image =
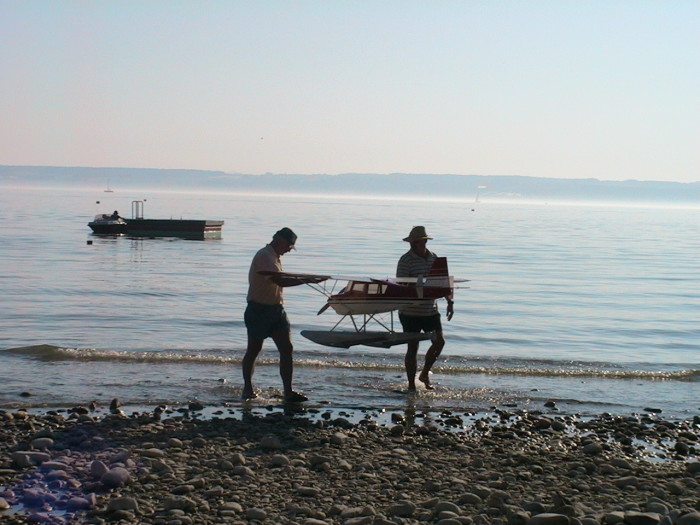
x=314 y=467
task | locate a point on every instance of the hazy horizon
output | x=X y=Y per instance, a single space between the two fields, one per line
x=283 y=174
x=469 y=202
x=535 y=88
x=114 y=184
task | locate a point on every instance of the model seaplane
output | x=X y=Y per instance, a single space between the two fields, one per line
x=364 y=303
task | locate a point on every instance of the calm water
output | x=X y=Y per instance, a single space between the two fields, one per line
x=596 y=308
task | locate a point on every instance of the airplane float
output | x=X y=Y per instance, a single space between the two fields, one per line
x=361 y=303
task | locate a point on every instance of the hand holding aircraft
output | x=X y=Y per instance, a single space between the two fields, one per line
x=361 y=303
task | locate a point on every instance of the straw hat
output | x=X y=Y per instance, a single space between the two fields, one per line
x=418 y=233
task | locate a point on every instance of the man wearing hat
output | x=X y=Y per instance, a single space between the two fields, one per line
x=421 y=318
x=265 y=316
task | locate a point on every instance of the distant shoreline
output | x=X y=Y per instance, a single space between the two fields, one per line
x=469 y=188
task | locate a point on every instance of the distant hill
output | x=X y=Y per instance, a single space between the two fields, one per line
x=501 y=187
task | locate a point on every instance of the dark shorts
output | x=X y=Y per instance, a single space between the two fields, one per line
x=420 y=323
x=263 y=320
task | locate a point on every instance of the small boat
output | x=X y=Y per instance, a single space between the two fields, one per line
x=137 y=226
x=105 y=224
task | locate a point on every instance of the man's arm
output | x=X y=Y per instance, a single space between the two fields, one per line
x=284 y=282
x=402 y=268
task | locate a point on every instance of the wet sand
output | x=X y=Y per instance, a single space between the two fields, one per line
x=313 y=467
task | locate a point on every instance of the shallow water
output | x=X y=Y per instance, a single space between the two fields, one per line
x=596 y=308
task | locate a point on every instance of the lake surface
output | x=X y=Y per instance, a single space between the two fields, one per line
x=596 y=308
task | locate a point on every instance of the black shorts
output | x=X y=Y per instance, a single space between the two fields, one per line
x=263 y=320
x=420 y=323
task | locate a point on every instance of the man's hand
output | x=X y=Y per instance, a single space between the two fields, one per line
x=450 y=310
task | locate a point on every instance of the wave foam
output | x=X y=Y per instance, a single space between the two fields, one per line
x=50 y=353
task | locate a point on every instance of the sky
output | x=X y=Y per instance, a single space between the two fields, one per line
x=563 y=89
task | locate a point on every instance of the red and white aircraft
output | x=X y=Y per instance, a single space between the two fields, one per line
x=361 y=302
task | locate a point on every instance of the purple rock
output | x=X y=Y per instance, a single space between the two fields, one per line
x=116 y=477
x=78 y=504
x=33 y=498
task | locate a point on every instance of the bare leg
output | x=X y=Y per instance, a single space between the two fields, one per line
x=248 y=364
x=430 y=357
x=411 y=364
x=285 y=348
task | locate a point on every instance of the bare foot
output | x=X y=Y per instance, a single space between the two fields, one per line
x=425 y=379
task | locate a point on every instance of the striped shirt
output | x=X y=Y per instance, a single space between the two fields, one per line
x=413 y=265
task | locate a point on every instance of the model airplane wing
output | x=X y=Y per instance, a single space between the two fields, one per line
x=301 y=278
x=414 y=280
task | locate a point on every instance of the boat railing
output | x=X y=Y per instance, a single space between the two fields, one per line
x=137 y=209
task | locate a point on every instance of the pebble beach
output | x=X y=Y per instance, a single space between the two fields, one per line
x=294 y=465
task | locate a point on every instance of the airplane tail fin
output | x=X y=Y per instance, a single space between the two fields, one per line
x=439 y=279
x=439 y=268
